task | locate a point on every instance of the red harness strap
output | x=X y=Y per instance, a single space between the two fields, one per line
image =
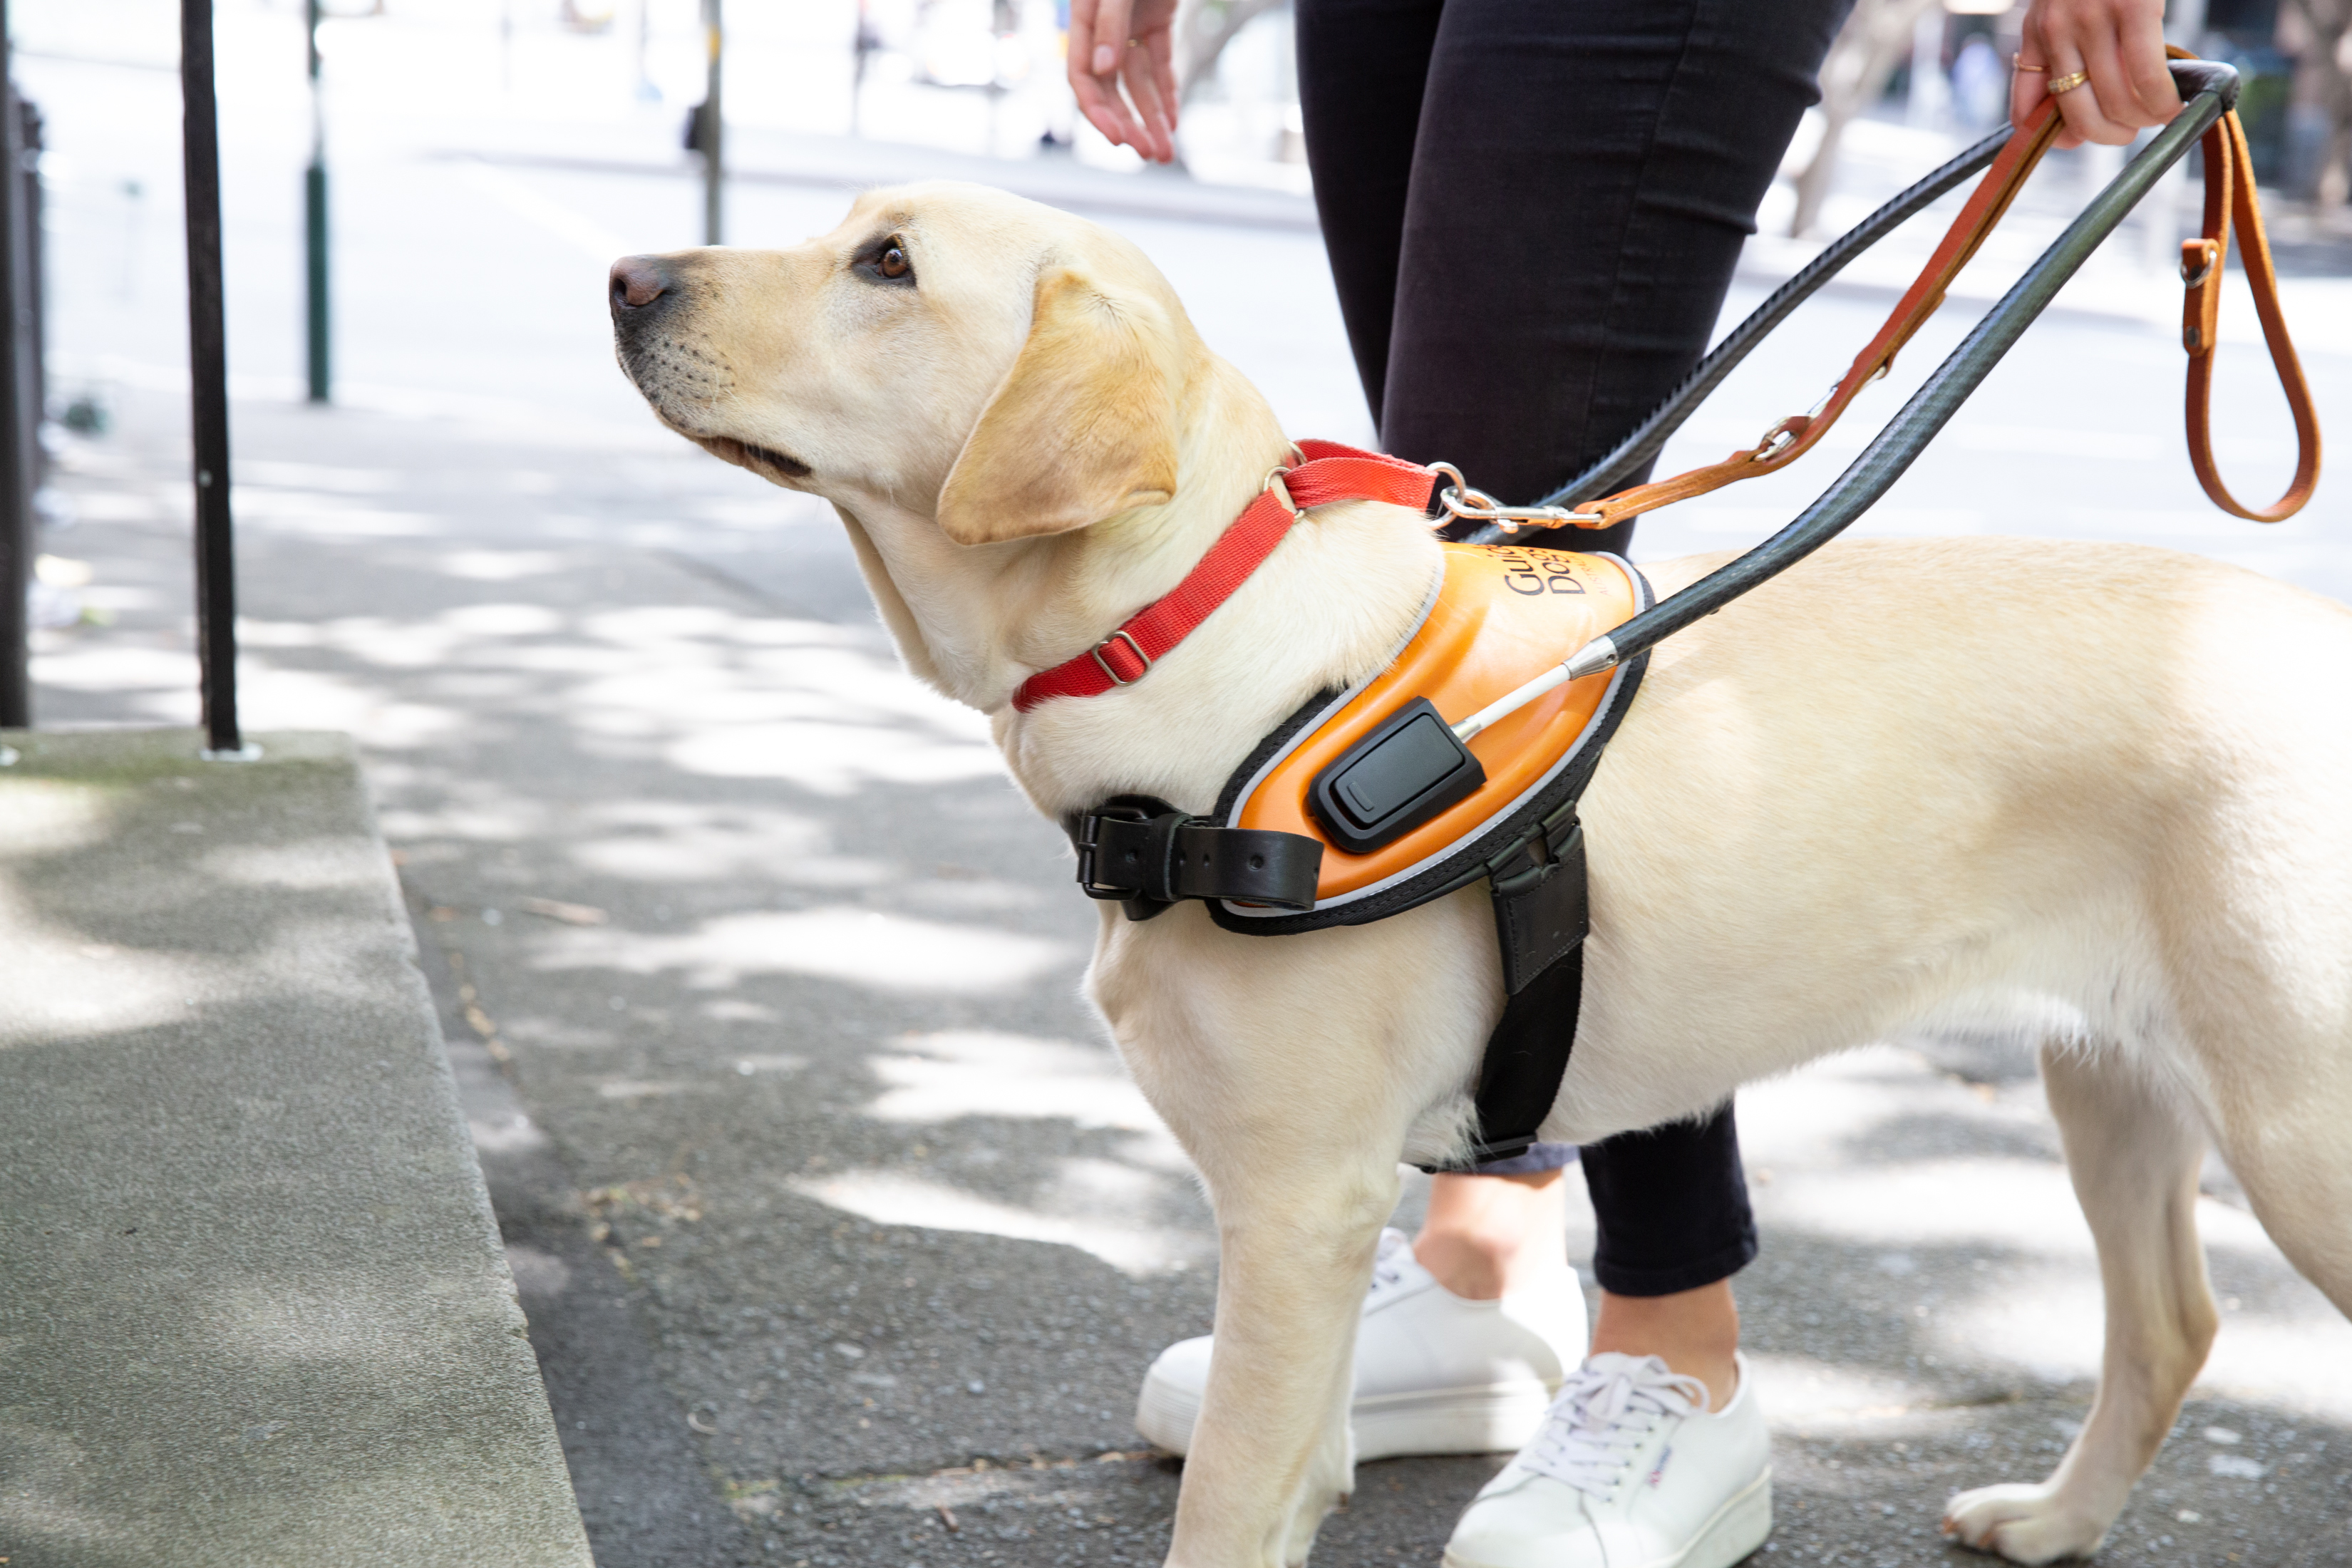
x=1330 y=473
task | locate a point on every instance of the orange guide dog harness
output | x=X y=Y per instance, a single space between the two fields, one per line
x=1376 y=799
x=1497 y=615
x=1315 y=828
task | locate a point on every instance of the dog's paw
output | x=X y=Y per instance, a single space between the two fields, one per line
x=1314 y=1504
x=2024 y=1524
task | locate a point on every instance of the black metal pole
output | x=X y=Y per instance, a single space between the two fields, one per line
x=208 y=379
x=314 y=231
x=714 y=133
x=32 y=139
x=19 y=413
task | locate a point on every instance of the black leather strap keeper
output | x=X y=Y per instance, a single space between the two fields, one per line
x=1149 y=855
x=1539 y=905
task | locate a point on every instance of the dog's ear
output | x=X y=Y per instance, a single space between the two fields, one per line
x=1083 y=425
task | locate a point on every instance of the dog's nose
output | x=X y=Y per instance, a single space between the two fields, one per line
x=637 y=281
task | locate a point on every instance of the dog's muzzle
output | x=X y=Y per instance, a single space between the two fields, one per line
x=637 y=281
x=643 y=293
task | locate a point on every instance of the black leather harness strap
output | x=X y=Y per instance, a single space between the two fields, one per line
x=1542 y=918
x=1144 y=852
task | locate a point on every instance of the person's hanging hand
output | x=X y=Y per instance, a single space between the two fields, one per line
x=2105 y=60
x=1132 y=42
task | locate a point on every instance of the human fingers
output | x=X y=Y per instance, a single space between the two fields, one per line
x=1098 y=91
x=1152 y=86
x=2116 y=79
x=2116 y=49
x=1099 y=102
x=1106 y=44
x=2140 y=41
x=1149 y=111
x=1161 y=45
x=2078 y=100
x=2028 y=85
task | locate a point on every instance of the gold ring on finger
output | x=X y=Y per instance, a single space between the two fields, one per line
x=1135 y=43
x=2066 y=83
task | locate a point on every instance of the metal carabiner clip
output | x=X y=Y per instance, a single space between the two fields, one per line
x=1472 y=505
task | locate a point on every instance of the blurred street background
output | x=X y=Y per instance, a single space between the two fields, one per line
x=843 y=1236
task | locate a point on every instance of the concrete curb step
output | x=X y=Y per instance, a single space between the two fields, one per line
x=253 y=1308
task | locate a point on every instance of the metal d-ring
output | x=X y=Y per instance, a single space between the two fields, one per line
x=1274 y=480
x=1466 y=501
x=1274 y=483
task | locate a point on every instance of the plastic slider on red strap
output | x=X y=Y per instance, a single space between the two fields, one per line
x=1138 y=662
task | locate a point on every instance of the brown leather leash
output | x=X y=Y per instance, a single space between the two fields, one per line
x=2229 y=192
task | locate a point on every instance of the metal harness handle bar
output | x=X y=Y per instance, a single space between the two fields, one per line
x=2212 y=92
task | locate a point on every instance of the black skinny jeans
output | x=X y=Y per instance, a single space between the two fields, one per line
x=1533 y=208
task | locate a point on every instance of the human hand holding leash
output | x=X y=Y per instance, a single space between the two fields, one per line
x=1129 y=41
x=2104 y=62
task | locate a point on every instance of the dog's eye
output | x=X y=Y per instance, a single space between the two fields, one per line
x=884 y=260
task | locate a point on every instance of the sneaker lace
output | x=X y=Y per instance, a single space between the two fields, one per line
x=1603 y=1413
x=1392 y=1264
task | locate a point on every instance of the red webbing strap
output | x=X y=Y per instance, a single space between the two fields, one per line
x=1331 y=473
x=1334 y=472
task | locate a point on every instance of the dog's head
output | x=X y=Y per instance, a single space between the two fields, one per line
x=950 y=350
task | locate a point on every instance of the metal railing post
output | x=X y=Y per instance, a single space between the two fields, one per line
x=31 y=138
x=19 y=411
x=314 y=229
x=208 y=385
x=714 y=133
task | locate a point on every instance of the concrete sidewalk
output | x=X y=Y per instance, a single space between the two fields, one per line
x=252 y=1306
x=843 y=1236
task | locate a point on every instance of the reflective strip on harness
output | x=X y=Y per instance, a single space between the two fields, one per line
x=1499 y=614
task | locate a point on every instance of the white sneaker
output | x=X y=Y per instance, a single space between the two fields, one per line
x=1435 y=1374
x=1629 y=1471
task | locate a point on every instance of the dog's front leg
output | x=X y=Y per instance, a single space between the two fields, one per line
x=1292 y=1070
x=1272 y=1453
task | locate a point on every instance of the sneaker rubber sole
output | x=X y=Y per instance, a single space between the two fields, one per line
x=1733 y=1532
x=1491 y=1418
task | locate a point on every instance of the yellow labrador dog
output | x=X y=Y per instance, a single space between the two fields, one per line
x=1905 y=781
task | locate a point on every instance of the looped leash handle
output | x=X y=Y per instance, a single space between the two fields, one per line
x=2229 y=195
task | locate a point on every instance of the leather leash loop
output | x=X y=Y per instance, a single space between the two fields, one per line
x=2230 y=197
